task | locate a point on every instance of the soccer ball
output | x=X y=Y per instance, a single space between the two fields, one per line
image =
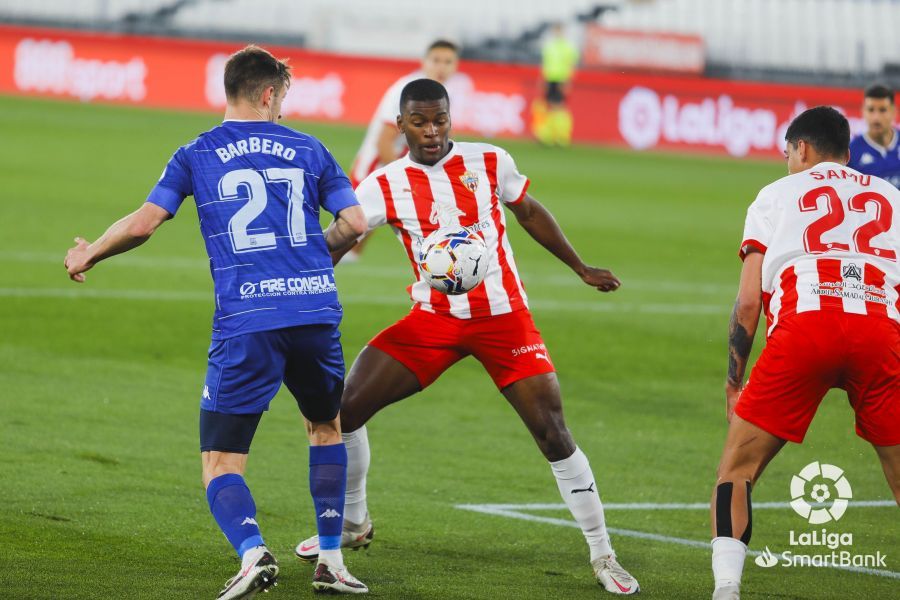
x=452 y=260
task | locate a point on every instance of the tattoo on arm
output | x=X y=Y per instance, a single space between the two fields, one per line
x=740 y=343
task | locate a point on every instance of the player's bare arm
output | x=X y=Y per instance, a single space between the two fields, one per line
x=742 y=327
x=542 y=226
x=125 y=234
x=343 y=232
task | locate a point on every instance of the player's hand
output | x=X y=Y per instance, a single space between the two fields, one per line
x=732 y=394
x=602 y=279
x=78 y=260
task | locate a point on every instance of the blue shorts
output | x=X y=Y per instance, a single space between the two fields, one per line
x=245 y=372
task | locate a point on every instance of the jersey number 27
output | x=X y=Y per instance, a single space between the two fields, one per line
x=254 y=184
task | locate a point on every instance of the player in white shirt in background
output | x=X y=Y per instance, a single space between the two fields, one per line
x=383 y=142
x=820 y=254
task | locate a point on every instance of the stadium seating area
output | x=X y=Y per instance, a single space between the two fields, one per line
x=815 y=36
x=839 y=36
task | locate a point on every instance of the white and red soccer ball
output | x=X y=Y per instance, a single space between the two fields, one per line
x=453 y=260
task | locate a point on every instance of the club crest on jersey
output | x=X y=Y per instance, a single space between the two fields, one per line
x=851 y=271
x=470 y=180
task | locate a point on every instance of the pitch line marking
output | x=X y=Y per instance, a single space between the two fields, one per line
x=513 y=511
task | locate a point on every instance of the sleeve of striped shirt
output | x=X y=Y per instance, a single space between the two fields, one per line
x=759 y=225
x=371 y=198
x=512 y=185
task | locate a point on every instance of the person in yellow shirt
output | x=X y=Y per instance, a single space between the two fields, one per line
x=552 y=119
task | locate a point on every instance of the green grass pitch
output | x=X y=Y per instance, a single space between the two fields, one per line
x=99 y=386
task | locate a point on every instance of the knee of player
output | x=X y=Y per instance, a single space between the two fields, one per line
x=555 y=441
x=351 y=419
x=324 y=434
x=735 y=473
x=222 y=463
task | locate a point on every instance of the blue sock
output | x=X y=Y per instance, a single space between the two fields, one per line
x=232 y=506
x=328 y=485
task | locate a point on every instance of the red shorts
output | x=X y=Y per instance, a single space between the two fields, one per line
x=809 y=353
x=509 y=346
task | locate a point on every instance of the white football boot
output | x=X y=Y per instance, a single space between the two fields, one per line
x=258 y=576
x=353 y=536
x=329 y=579
x=613 y=577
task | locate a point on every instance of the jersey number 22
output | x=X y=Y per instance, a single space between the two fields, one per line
x=862 y=237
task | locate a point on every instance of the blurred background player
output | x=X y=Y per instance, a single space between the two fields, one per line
x=552 y=119
x=825 y=271
x=444 y=183
x=876 y=152
x=250 y=171
x=383 y=143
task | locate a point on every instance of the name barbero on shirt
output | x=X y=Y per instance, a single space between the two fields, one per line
x=255 y=145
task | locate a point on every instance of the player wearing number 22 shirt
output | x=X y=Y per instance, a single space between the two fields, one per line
x=820 y=250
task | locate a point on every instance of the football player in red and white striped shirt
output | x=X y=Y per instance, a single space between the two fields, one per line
x=383 y=142
x=440 y=183
x=820 y=259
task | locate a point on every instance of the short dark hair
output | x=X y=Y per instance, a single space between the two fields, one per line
x=423 y=90
x=824 y=128
x=251 y=70
x=879 y=90
x=442 y=43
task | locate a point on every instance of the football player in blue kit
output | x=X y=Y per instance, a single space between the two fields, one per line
x=877 y=151
x=259 y=187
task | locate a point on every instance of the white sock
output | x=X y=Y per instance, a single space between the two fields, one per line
x=579 y=491
x=358 y=457
x=728 y=556
x=332 y=558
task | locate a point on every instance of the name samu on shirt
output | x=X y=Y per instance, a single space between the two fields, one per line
x=253 y=145
x=863 y=180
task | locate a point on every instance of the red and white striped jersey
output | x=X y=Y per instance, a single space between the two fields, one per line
x=831 y=242
x=467 y=187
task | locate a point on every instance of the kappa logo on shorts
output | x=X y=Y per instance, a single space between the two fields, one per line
x=206 y=395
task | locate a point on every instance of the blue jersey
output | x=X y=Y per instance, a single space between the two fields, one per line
x=258 y=188
x=868 y=157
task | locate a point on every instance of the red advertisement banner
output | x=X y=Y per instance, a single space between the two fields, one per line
x=642 y=111
x=615 y=48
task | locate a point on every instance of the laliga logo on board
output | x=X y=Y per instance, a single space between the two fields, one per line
x=645 y=119
x=827 y=477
